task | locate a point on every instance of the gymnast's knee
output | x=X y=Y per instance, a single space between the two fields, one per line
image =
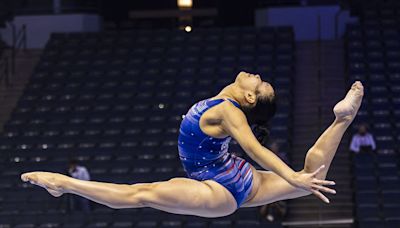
x=314 y=159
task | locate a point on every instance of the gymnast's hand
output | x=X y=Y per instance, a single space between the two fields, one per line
x=309 y=182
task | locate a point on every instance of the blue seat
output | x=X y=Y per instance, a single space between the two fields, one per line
x=247 y=224
x=195 y=224
x=391 y=210
x=390 y=183
x=220 y=223
x=371 y=223
x=171 y=223
x=367 y=198
x=390 y=197
x=392 y=222
x=146 y=224
x=367 y=211
x=364 y=172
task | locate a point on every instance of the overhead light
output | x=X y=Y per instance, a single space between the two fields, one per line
x=185 y=3
x=188 y=28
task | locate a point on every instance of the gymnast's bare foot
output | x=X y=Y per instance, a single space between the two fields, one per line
x=52 y=182
x=347 y=108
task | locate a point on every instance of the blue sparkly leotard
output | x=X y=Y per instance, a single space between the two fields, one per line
x=207 y=158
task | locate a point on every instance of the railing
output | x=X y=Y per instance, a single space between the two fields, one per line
x=7 y=60
x=5 y=70
x=18 y=42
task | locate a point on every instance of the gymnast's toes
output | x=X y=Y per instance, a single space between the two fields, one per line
x=31 y=177
x=347 y=108
x=52 y=182
x=357 y=88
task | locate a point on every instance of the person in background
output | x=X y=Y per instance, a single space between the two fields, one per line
x=274 y=212
x=362 y=141
x=78 y=172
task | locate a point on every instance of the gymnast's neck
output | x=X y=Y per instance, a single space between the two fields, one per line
x=232 y=92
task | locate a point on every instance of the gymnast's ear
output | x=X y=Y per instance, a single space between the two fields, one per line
x=250 y=97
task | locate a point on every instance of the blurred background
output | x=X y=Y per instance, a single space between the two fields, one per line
x=96 y=90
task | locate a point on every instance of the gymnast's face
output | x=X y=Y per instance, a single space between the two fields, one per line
x=254 y=87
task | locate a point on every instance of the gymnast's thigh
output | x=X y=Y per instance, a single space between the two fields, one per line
x=268 y=187
x=191 y=197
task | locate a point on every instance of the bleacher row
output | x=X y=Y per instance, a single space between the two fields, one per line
x=374 y=58
x=114 y=100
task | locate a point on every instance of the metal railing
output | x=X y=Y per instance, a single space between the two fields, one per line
x=5 y=70
x=7 y=60
x=18 y=42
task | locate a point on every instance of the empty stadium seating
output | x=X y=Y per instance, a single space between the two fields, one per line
x=114 y=100
x=374 y=58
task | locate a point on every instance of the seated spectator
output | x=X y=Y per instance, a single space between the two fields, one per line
x=78 y=172
x=362 y=141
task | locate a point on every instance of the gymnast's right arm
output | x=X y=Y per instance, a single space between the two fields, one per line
x=235 y=124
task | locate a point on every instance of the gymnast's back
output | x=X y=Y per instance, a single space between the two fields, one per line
x=194 y=145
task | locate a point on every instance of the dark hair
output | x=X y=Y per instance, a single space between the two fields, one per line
x=259 y=116
x=73 y=161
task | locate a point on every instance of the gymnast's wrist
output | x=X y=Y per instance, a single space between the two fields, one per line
x=294 y=179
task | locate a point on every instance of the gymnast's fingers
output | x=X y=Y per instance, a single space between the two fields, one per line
x=320 y=195
x=323 y=182
x=324 y=189
x=318 y=170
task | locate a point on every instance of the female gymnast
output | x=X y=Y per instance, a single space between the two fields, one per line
x=218 y=182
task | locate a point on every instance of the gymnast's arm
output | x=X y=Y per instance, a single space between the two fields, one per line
x=234 y=122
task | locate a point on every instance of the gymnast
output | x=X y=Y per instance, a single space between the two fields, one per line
x=218 y=182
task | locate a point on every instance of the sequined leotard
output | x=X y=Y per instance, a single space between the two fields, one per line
x=207 y=158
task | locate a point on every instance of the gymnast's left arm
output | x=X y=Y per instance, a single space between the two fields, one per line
x=235 y=124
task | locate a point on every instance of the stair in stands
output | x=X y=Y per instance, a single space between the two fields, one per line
x=24 y=64
x=310 y=211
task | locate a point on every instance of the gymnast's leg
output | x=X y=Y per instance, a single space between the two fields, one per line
x=272 y=188
x=324 y=149
x=178 y=195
